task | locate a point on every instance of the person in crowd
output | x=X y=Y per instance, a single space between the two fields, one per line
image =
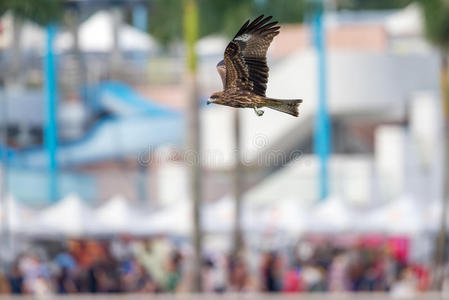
x=128 y=265
x=153 y=256
x=5 y=287
x=65 y=279
x=293 y=281
x=338 y=273
x=36 y=275
x=239 y=279
x=271 y=272
x=91 y=280
x=65 y=282
x=15 y=277
x=144 y=282
x=214 y=274
x=406 y=286
x=314 y=277
x=174 y=271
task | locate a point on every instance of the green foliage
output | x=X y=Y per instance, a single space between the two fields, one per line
x=223 y=16
x=436 y=16
x=284 y=11
x=39 y=11
x=165 y=20
x=372 y=4
x=218 y=16
x=226 y=16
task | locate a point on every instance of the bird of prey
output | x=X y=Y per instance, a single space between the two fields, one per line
x=244 y=70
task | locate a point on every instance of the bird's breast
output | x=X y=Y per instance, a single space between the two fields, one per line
x=241 y=99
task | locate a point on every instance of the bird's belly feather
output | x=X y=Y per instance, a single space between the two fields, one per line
x=243 y=100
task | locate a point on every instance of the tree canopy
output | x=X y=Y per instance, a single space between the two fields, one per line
x=372 y=4
x=215 y=16
x=39 y=11
x=219 y=16
x=436 y=18
x=226 y=16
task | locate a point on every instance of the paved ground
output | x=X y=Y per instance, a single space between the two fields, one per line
x=315 y=296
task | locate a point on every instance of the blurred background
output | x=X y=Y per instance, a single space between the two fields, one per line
x=117 y=178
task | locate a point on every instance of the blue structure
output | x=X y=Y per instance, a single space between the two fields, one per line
x=322 y=121
x=51 y=133
x=135 y=124
x=130 y=128
x=122 y=100
x=140 y=17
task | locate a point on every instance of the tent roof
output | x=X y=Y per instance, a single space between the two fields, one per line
x=116 y=215
x=70 y=216
x=174 y=219
x=32 y=35
x=400 y=216
x=331 y=215
x=19 y=216
x=96 y=35
x=408 y=21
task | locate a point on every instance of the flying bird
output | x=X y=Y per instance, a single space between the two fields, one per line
x=244 y=70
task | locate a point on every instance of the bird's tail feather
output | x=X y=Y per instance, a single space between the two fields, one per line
x=286 y=106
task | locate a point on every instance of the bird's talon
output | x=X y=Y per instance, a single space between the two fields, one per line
x=259 y=112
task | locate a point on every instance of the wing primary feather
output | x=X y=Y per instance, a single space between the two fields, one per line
x=268 y=27
x=264 y=21
x=242 y=29
x=255 y=22
x=258 y=25
x=245 y=55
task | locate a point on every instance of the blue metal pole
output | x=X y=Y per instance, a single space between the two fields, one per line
x=140 y=17
x=51 y=95
x=322 y=121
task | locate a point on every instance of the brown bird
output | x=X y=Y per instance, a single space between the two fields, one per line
x=244 y=70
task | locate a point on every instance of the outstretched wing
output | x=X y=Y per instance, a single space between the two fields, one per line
x=245 y=56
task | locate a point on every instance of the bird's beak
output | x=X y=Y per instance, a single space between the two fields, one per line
x=209 y=101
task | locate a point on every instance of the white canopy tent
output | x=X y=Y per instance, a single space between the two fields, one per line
x=174 y=219
x=408 y=21
x=32 y=36
x=402 y=216
x=284 y=215
x=70 y=216
x=96 y=35
x=73 y=217
x=432 y=215
x=115 y=216
x=19 y=218
x=291 y=215
x=332 y=215
x=219 y=216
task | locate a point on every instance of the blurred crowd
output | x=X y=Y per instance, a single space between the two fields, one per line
x=160 y=265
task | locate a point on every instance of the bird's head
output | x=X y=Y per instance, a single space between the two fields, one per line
x=216 y=98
